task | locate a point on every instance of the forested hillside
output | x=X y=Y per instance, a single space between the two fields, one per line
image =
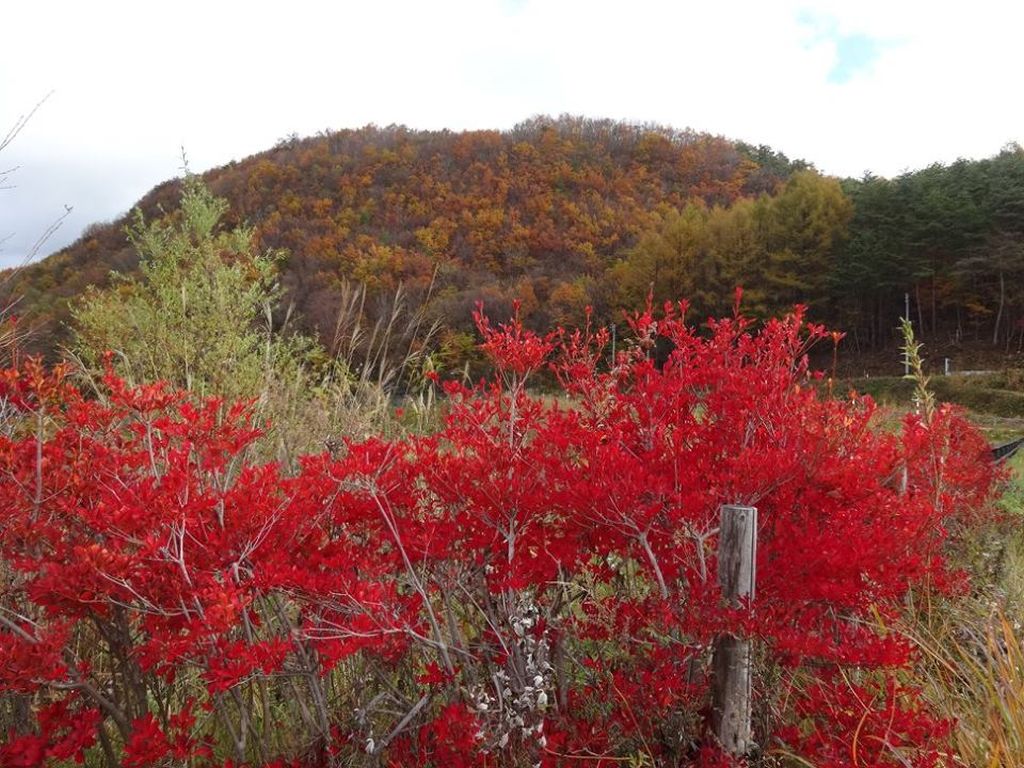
x=568 y=213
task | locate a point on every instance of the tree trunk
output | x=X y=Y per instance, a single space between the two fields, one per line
x=920 y=312
x=999 y=314
x=935 y=317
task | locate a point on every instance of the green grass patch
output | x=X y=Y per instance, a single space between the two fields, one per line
x=1000 y=393
x=1012 y=500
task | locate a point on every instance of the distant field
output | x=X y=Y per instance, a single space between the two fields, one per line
x=995 y=400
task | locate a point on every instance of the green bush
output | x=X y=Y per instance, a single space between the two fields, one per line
x=202 y=316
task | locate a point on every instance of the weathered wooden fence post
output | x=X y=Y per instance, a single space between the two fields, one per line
x=737 y=575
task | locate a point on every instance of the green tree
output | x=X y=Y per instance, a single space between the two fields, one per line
x=738 y=247
x=802 y=228
x=780 y=249
x=200 y=315
x=991 y=264
x=872 y=269
x=675 y=260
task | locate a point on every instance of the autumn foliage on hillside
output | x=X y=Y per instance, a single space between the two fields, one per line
x=533 y=584
x=569 y=213
x=535 y=214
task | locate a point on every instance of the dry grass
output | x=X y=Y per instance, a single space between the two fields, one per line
x=971 y=669
x=971 y=660
x=354 y=392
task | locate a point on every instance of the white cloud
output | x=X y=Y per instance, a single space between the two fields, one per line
x=135 y=81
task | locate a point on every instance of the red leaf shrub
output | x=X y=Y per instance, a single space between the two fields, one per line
x=533 y=584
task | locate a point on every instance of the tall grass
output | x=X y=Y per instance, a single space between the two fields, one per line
x=971 y=649
x=371 y=369
x=971 y=669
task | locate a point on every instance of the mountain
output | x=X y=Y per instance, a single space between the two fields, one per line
x=539 y=213
x=569 y=213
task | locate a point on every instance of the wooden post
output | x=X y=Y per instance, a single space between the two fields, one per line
x=737 y=575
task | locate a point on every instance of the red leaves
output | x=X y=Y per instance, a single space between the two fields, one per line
x=151 y=744
x=148 y=744
x=31 y=656
x=234 y=661
x=27 y=751
x=66 y=734
x=511 y=347
x=33 y=387
x=70 y=732
x=528 y=553
x=433 y=675
x=847 y=724
x=449 y=740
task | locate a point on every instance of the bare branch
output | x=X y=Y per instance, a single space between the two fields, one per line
x=21 y=122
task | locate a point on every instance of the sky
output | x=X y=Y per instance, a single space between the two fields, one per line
x=850 y=86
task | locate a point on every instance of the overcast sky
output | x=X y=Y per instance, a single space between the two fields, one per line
x=850 y=86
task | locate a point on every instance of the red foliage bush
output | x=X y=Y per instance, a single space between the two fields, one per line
x=533 y=584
